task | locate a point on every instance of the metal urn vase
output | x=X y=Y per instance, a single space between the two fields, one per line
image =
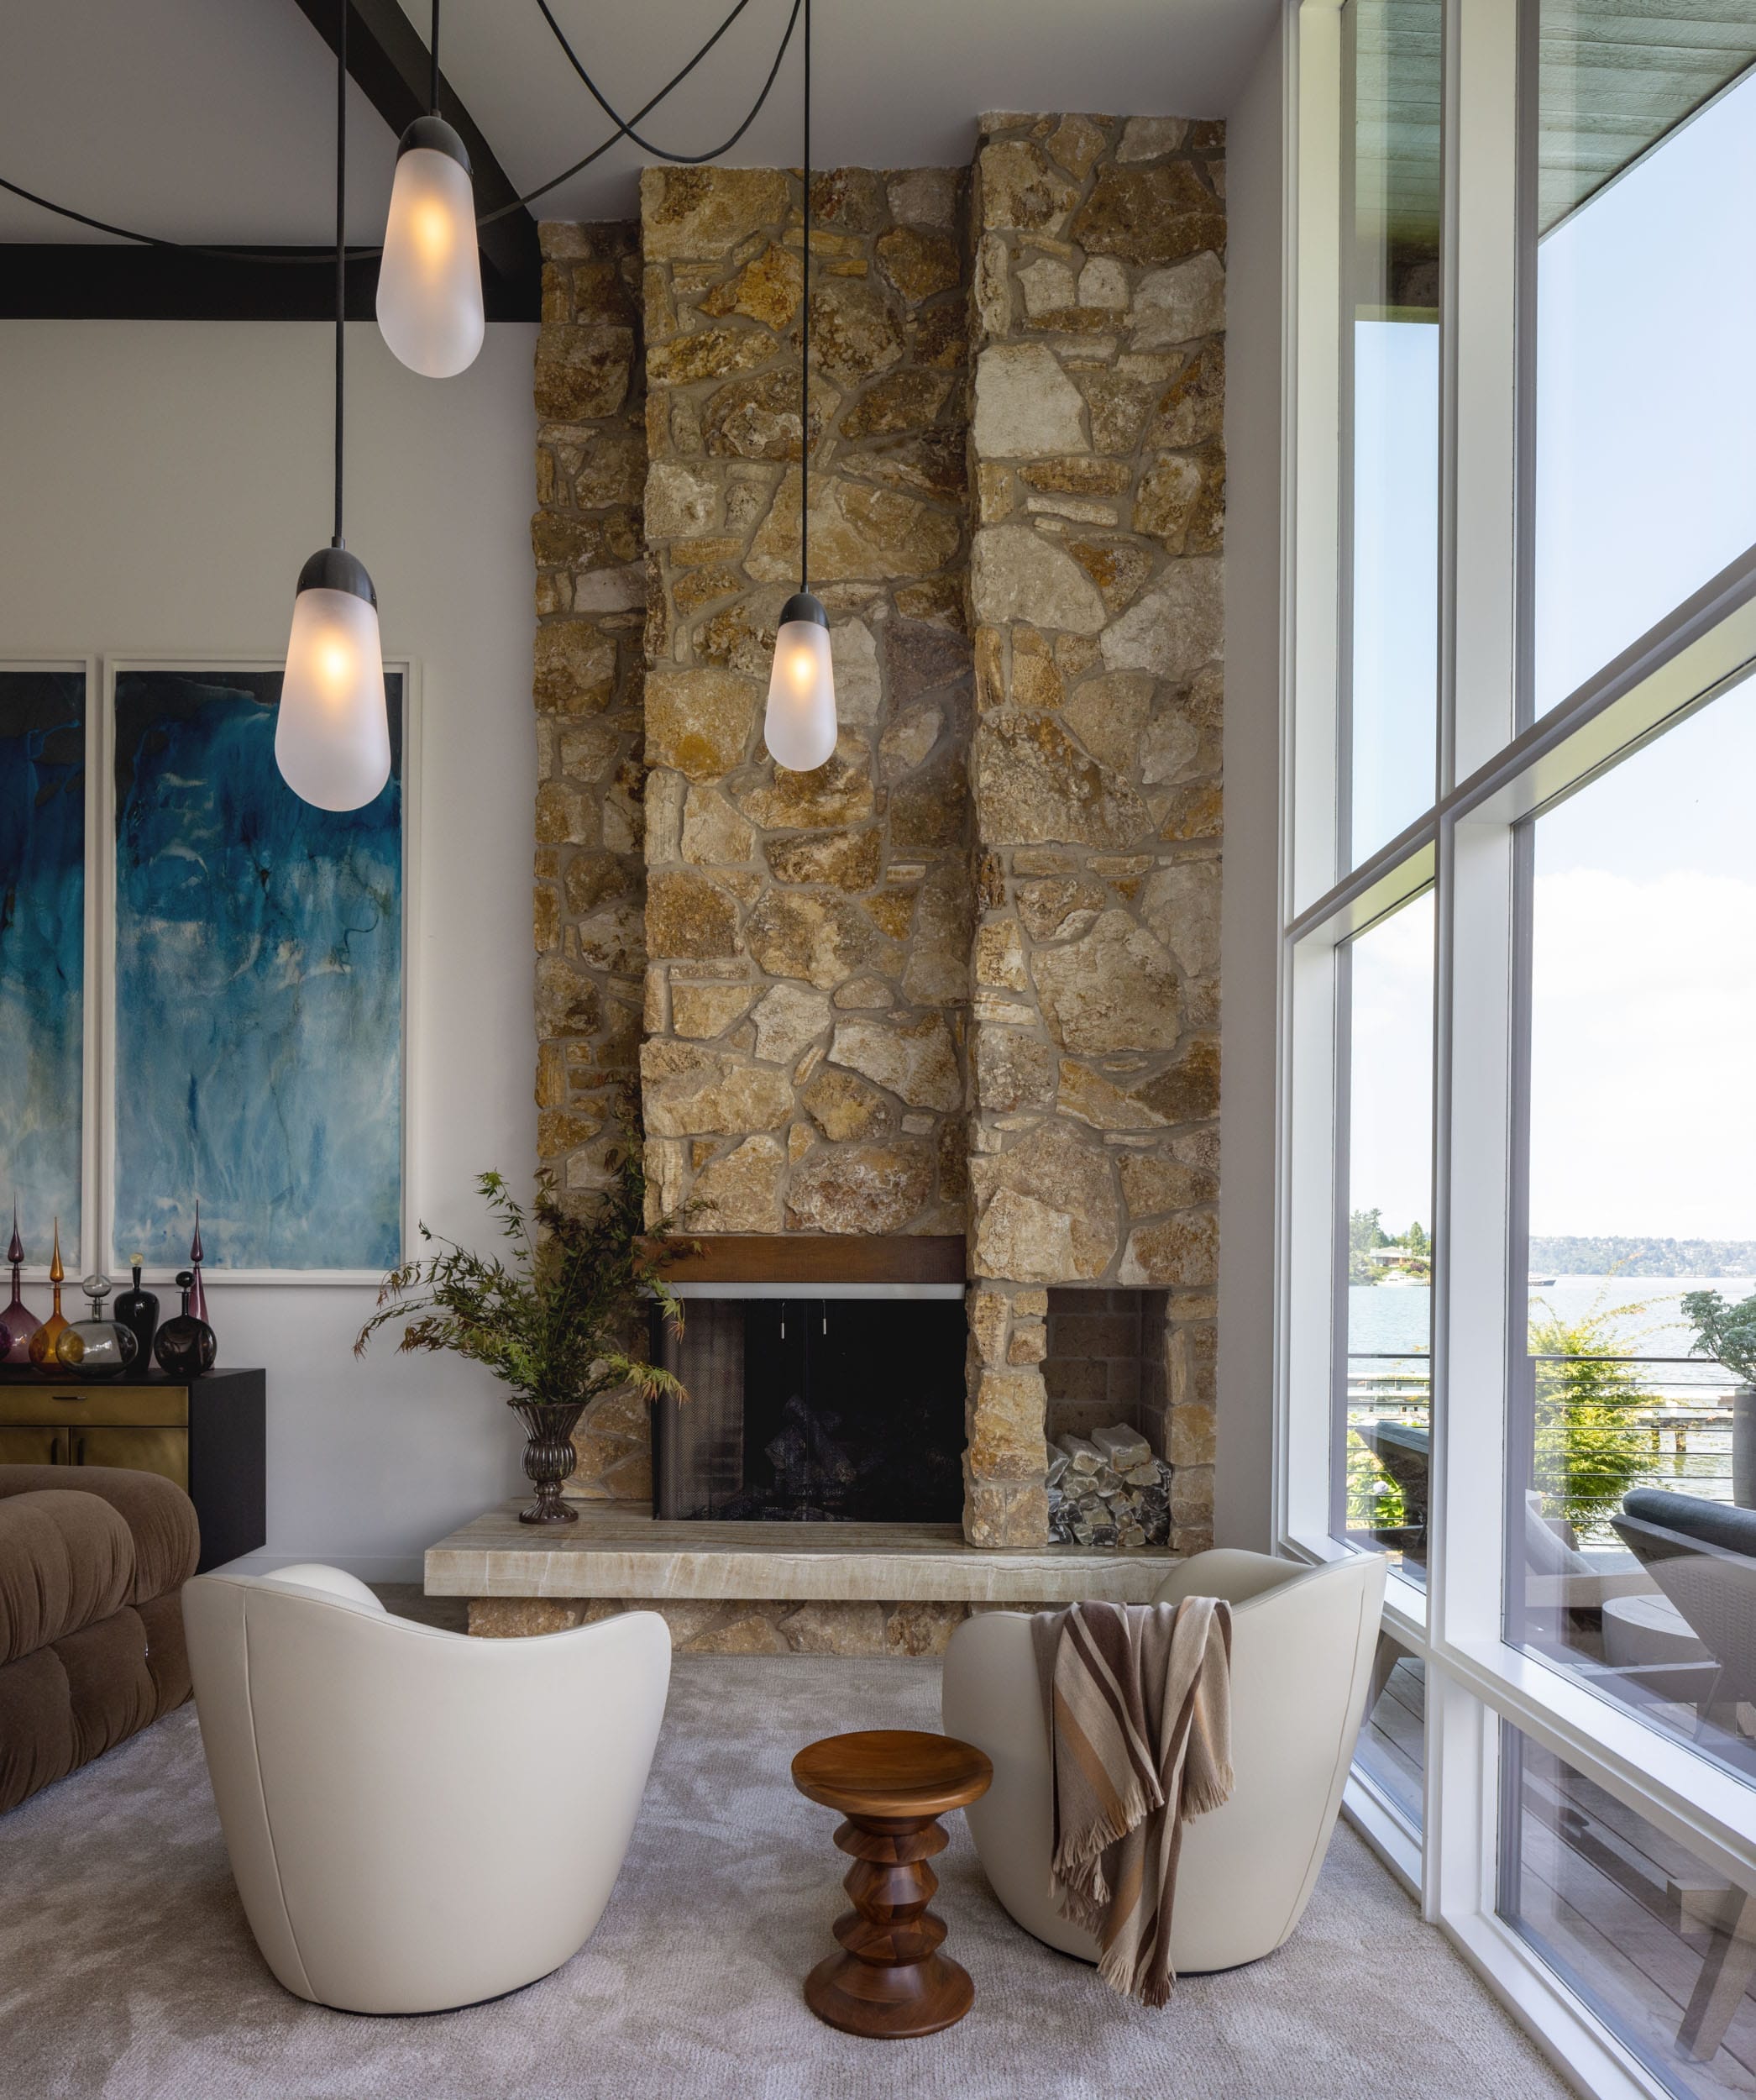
x=549 y=1456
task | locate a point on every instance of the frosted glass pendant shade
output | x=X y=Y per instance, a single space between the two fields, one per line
x=430 y=280
x=333 y=733
x=800 y=727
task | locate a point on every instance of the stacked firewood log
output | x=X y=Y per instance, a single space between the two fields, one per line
x=1107 y=1489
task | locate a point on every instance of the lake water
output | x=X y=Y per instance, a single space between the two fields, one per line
x=1388 y=1320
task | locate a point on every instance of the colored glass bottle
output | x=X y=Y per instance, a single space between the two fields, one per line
x=94 y=1347
x=197 y=1290
x=18 y=1320
x=43 y=1341
x=138 y=1311
x=186 y=1347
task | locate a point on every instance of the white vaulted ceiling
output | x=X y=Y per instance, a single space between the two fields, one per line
x=213 y=119
x=195 y=120
x=896 y=83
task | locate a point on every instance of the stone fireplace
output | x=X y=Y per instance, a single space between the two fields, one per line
x=964 y=979
x=806 y=1410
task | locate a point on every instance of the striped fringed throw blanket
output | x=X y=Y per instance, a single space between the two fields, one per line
x=1138 y=1701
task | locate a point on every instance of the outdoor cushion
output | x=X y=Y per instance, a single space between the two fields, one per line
x=1712 y=1523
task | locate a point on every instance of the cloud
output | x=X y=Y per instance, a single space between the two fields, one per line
x=1643 y=1109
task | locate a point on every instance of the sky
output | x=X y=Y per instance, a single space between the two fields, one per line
x=1395 y=695
x=1390 y=1111
x=1643 y=1004
x=1643 y=1026
x=1646 y=420
x=1643 y=1035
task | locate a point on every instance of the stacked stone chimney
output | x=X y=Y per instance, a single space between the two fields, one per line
x=965 y=978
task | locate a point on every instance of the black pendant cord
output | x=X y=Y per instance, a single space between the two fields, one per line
x=626 y=131
x=341 y=257
x=625 y=126
x=804 y=338
x=279 y=258
x=433 y=77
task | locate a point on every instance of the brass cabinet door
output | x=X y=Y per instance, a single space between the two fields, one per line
x=160 y=1450
x=34 y=1444
x=65 y=1400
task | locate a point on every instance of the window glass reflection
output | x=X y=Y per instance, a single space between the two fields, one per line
x=1633 y=1506
x=1386 y=1286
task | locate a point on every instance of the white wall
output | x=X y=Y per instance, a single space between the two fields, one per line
x=1249 y=916
x=160 y=484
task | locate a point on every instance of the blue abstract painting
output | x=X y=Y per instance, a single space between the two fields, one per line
x=42 y=951
x=258 y=989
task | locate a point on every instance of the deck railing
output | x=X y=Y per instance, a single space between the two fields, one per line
x=1677 y=1435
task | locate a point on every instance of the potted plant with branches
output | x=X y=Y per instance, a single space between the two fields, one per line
x=555 y=1320
x=1727 y=1334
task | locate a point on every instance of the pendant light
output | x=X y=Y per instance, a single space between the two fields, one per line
x=331 y=733
x=430 y=279
x=799 y=726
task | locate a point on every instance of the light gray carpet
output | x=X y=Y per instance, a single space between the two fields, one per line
x=126 y=1968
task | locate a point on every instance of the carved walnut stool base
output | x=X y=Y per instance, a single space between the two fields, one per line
x=890 y=1981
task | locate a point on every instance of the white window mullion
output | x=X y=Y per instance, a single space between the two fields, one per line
x=1473 y=1018
x=1317 y=452
x=1479 y=386
x=1312 y=1168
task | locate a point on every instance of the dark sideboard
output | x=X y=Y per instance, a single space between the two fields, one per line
x=206 y=1434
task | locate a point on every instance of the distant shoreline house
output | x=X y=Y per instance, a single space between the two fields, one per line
x=1402 y=1261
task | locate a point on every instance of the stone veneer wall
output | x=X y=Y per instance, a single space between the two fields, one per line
x=996 y=936
x=1096 y=613
x=807 y=934
x=591 y=599
x=711 y=1625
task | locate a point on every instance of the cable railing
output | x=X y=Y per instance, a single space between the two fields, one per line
x=1592 y=1445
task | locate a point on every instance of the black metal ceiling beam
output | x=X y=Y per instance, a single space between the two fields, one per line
x=105 y=280
x=388 y=61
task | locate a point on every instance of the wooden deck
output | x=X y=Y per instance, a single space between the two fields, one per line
x=1392 y=1750
x=1628 y=1917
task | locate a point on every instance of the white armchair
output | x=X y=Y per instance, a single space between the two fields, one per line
x=1302 y=1641
x=417 y=1820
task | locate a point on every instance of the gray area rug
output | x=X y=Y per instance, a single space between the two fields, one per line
x=127 y=1970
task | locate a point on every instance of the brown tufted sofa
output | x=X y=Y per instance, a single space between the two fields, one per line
x=90 y=1615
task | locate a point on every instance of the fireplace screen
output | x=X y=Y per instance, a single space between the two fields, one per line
x=814 y=1410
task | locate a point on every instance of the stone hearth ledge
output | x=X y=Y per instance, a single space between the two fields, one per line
x=620 y=1551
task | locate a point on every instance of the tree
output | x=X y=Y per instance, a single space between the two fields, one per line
x=1364 y=1232
x=1590 y=1444
x=1727 y=1333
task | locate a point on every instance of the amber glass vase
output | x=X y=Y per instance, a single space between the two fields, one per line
x=43 y=1341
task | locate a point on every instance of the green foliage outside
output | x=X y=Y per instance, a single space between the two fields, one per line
x=1727 y=1333
x=1365 y=1232
x=1590 y=1446
x=1573 y=1254
x=1375 y=1501
x=554 y=1322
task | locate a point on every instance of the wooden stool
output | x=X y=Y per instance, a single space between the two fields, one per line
x=892 y=1785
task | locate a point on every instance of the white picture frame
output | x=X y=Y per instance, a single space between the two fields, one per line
x=100 y=960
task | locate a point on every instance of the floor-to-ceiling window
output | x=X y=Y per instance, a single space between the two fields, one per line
x=1518 y=1151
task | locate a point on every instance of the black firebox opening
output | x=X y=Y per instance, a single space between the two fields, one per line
x=816 y=1410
